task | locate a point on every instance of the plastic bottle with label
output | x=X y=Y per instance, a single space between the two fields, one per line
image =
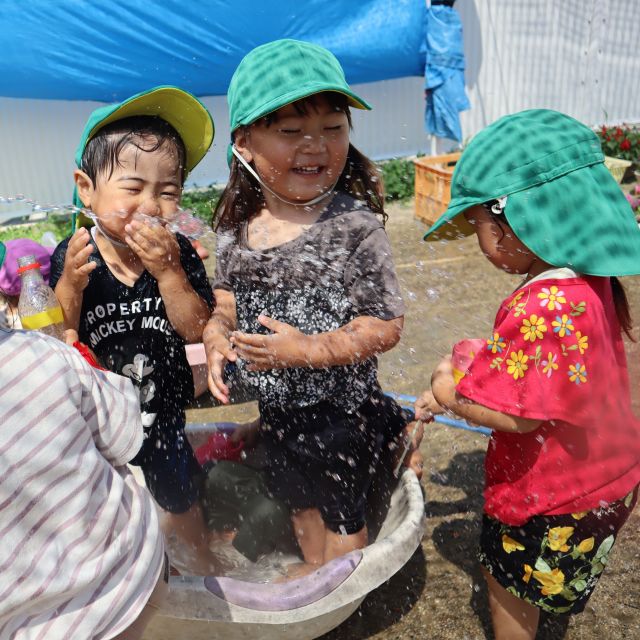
x=38 y=306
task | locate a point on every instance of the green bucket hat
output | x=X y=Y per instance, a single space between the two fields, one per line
x=562 y=202
x=183 y=111
x=3 y=253
x=279 y=73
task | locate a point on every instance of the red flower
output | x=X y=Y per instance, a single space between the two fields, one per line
x=625 y=145
x=618 y=132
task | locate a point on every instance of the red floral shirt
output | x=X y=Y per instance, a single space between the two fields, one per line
x=557 y=355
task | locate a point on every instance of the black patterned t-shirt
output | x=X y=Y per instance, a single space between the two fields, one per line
x=338 y=269
x=128 y=329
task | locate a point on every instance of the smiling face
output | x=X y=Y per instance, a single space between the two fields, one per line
x=142 y=181
x=500 y=245
x=298 y=155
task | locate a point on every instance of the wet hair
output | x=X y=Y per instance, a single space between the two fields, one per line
x=620 y=301
x=242 y=198
x=147 y=133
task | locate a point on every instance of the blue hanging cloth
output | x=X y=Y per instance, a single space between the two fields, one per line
x=444 y=71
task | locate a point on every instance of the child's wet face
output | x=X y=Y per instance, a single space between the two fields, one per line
x=145 y=182
x=299 y=156
x=499 y=243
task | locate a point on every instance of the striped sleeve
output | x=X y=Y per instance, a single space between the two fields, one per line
x=111 y=409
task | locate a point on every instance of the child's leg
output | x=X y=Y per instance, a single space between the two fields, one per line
x=311 y=533
x=512 y=617
x=190 y=528
x=337 y=545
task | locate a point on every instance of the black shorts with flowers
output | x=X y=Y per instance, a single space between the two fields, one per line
x=554 y=562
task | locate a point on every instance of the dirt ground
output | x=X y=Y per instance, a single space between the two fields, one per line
x=452 y=292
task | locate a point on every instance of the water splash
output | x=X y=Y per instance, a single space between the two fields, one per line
x=183 y=221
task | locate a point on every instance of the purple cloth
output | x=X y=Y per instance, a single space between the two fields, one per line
x=9 y=278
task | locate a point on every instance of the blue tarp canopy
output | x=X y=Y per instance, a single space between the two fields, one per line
x=106 y=50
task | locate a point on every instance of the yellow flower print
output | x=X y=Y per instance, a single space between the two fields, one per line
x=517 y=364
x=509 y=544
x=550 y=364
x=586 y=545
x=579 y=515
x=558 y=537
x=552 y=581
x=528 y=570
x=563 y=326
x=515 y=300
x=577 y=373
x=552 y=298
x=496 y=344
x=583 y=343
x=533 y=328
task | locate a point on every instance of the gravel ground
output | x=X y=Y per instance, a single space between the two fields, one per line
x=452 y=292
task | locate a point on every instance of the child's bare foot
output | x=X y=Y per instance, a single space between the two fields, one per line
x=297 y=570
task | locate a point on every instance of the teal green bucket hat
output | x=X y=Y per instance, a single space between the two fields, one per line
x=3 y=252
x=279 y=73
x=561 y=201
x=182 y=110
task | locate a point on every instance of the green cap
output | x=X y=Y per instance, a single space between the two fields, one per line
x=562 y=202
x=3 y=252
x=279 y=73
x=182 y=110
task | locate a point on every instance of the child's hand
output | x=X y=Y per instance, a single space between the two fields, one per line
x=219 y=351
x=156 y=247
x=426 y=406
x=76 y=262
x=285 y=347
x=443 y=384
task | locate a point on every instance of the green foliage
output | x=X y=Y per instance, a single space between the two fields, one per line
x=59 y=226
x=201 y=201
x=398 y=177
x=621 y=142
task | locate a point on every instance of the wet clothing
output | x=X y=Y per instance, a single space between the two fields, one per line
x=130 y=332
x=557 y=355
x=323 y=427
x=554 y=562
x=337 y=270
x=81 y=544
x=325 y=457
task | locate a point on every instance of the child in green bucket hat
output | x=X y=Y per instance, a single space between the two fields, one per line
x=137 y=293
x=306 y=292
x=563 y=464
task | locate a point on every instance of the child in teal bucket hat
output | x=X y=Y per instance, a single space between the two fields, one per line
x=137 y=293
x=563 y=464
x=306 y=292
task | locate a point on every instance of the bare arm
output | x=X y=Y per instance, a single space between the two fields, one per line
x=443 y=387
x=216 y=342
x=75 y=277
x=186 y=310
x=159 y=252
x=286 y=346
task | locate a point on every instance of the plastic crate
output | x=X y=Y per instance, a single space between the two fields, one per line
x=433 y=185
x=617 y=167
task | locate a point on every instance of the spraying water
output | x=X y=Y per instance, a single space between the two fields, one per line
x=183 y=221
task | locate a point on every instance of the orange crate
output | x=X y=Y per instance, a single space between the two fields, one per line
x=433 y=185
